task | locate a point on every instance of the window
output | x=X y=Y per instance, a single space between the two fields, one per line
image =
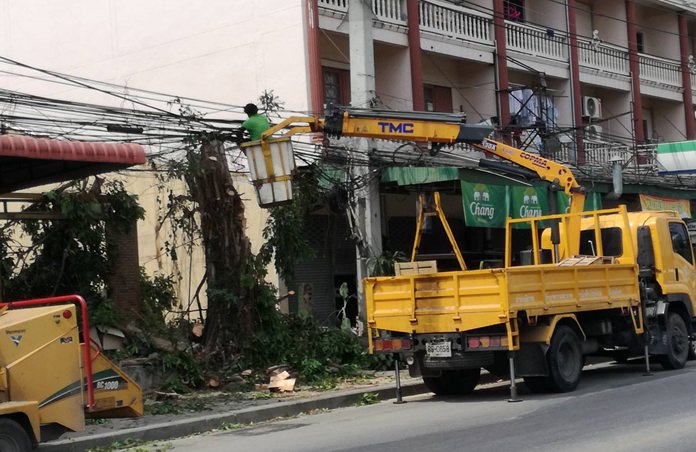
x=336 y=86
x=438 y=98
x=514 y=10
x=680 y=241
x=611 y=242
x=640 y=42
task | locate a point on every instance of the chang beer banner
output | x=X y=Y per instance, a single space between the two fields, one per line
x=485 y=205
x=528 y=202
x=593 y=201
x=681 y=206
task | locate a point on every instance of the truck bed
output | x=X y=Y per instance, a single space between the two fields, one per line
x=467 y=300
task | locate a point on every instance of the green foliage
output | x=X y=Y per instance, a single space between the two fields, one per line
x=158 y=296
x=270 y=102
x=285 y=234
x=187 y=371
x=177 y=407
x=368 y=398
x=73 y=254
x=226 y=426
x=315 y=353
x=383 y=265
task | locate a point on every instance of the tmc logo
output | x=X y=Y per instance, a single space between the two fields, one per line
x=403 y=127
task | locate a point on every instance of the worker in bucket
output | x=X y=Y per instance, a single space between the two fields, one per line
x=256 y=124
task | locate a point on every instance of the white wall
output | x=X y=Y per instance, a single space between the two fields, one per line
x=652 y=22
x=223 y=50
x=545 y=13
x=220 y=50
x=668 y=121
x=473 y=84
x=474 y=90
x=610 y=19
x=393 y=77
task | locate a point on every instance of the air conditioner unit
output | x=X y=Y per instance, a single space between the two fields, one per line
x=593 y=132
x=592 y=107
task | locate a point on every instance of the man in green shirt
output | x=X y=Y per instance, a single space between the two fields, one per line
x=256 y=124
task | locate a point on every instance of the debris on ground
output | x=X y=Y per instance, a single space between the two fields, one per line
x=280 y=380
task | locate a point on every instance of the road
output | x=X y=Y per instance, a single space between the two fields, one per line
x=616 y=408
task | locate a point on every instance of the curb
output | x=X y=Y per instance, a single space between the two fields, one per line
x=199 y=424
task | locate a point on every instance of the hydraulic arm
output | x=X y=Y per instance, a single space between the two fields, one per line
x=440 y=129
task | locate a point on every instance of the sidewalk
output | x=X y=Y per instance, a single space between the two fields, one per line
x=164 y=427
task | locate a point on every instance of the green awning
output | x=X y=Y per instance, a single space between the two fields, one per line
x=419 y=175
x=426 y=175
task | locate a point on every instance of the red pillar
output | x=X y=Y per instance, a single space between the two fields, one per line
x=414 y=50
x=501 y=63
x=686 y=77
x=314 y=60
x=575 y=78
x=634 y=67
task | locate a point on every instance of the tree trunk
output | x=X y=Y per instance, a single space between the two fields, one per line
x=229 y=318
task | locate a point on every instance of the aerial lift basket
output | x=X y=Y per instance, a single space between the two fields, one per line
x=271 y=167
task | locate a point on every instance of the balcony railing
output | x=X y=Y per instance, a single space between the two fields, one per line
x=456 y=22
x=535 y=41
x=602 y=57
x=445 y=19
x=390 y=11
x=599 y=157
x=340 y=6
x=660 y=70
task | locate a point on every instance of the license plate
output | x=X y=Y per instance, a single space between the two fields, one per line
x=439 y=349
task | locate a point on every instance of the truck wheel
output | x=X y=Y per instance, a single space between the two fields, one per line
x=565 y=360
x=692 y=350
x=677 y=343
x=13 y=437
x=453 y=382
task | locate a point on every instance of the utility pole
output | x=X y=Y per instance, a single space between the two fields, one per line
x=362 y=94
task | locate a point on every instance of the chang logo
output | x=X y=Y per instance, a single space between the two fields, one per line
x=481 y=205
x=530 y=204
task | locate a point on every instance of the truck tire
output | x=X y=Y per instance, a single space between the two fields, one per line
x=677 y=343
x=13 y=437
x=454 y=382
x=692 y=350
x=565 y=360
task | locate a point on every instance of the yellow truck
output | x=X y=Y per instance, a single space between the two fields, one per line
x=607 y=282
x=52 y=376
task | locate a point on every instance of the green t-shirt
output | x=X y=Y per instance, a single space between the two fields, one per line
x=256 y=125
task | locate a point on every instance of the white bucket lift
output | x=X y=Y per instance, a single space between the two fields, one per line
x=271 y=167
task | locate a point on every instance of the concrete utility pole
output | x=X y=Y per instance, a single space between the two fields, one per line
x=362 y=93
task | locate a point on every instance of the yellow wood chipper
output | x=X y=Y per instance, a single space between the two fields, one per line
x=52 y=376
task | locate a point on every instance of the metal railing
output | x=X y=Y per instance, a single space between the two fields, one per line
x=336 y=5
x=660 y=70
x=535 y=41
x=639 y=162
x=392 y=11
x=444 y=18
x=603 y=57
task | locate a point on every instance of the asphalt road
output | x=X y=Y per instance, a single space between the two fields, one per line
x=616 y=408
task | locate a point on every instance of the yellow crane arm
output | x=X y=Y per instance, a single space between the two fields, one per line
x=548 y=170
x=440 y=128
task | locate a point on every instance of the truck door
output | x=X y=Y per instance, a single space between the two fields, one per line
x=682 y=278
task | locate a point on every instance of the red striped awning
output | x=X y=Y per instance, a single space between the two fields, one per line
x=28 y=162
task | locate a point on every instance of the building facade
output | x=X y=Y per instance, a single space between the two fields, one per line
x=597 y=85
x=593 y=84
